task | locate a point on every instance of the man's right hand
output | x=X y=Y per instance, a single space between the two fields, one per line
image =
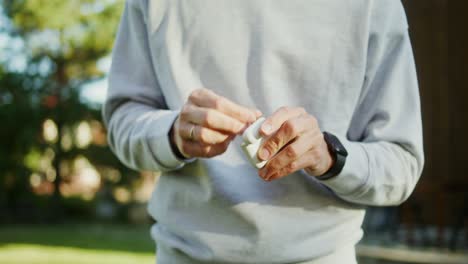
x=208 y=123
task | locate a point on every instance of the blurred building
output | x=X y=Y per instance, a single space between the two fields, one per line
x=440 y=202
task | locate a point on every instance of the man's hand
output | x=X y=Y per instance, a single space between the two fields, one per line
x=208 y=123
x=294 y=141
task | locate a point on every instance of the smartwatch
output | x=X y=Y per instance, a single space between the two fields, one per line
x=339 y=154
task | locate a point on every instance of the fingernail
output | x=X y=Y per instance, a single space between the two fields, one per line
x=266 y=128
x=264 y=154
x=258 y=113
x=253 y=117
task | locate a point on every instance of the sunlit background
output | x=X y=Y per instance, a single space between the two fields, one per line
x=65 y=198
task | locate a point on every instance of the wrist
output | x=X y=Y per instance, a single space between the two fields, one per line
x=338 y=153
x=328 y=161
x=173 y=143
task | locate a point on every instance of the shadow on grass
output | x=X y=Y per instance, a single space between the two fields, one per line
x=135 y=239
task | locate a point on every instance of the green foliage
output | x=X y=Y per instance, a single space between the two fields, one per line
x=63 y=41
x=20 y=114
x=74 y=34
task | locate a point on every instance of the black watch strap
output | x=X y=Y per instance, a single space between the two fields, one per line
x=174 y=147
x=338 y=150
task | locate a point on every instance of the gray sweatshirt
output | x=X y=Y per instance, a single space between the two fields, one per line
x=347 y=62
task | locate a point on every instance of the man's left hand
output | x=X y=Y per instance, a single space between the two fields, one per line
x=293 y=142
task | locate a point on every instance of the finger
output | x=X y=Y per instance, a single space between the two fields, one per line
x=275 y=121
x=304 y=161
x=212 y=119
x=258 y=113
x=290 y=153
x=201 y=134
x=288 y=131
x=209 y=99
x=301 y=163
x=195 y=149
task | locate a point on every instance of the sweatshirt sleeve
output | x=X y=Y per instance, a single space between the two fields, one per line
x=135 y=111
x=384 y=140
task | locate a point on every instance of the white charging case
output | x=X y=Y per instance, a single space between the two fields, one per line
x=252 y=140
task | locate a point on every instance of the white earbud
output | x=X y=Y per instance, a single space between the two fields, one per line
x=252 y=142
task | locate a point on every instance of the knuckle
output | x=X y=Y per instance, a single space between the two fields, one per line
x=179 y=127
x=284 y=109
x=184 y=112
x=194 y=95
x=200 y=91
x=205 y=91
x=316 y=153
x=294 y=166
x=290 y=128
x=273 y=144
x=202 y=136
x=269 y=167
x=249 y=116
x=313 y=120
x=234 y=126
x=301 y=110
x=313 y=163
x=291 y=152
x=215 y=150
x=272 y=166
x=312 y=166
x=209 y=154
x=222 y=149
x=217 y=103
x=186 y=148
x=197 y=93
x=277 y=167
x=185 y=108
x=225 y=143
x=191 y=97
x=208 y=118
x=276 y=141
x=291 y=167
x=205 y=151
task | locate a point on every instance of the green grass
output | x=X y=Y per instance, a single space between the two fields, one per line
x=76 y=244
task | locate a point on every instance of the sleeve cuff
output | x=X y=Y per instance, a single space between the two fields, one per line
x=161 y=146
x=355 y=174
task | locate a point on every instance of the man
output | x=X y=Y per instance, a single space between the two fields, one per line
x=336 y=81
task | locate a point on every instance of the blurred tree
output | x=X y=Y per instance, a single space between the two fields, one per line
x=21 y=115
x=63 y=41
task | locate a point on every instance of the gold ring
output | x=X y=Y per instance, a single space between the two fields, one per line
x=191 y=137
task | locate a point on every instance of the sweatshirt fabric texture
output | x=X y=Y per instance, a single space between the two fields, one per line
x=347 y=62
